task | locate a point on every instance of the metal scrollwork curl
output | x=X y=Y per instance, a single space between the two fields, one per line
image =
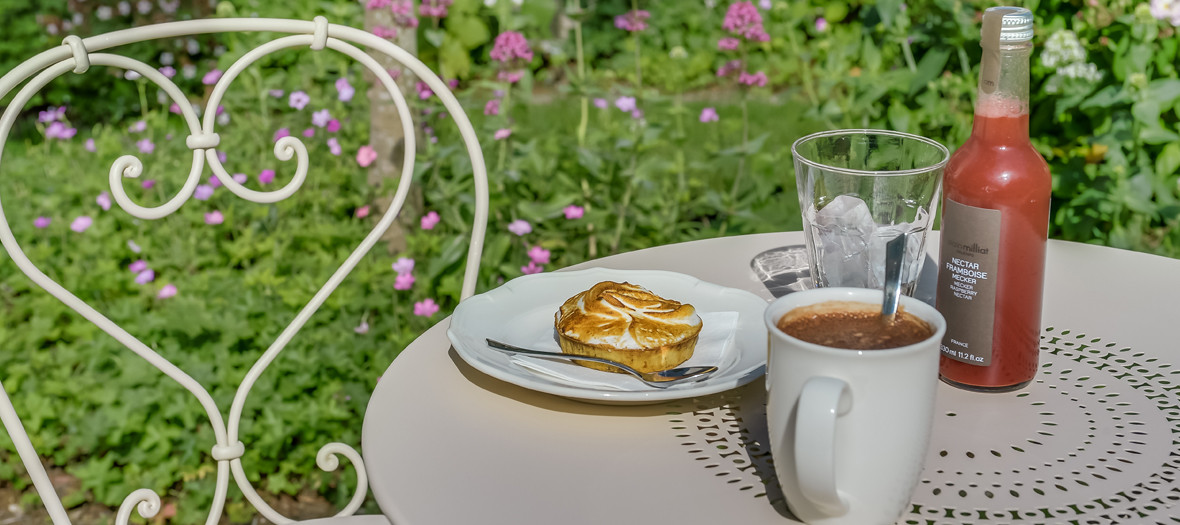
x=145 y=501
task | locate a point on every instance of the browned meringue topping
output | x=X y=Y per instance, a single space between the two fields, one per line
x=626 y=316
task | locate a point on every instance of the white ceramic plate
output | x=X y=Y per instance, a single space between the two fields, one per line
x=523 y=309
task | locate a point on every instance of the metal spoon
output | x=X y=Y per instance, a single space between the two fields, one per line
x=894 y=253
x=661 y=379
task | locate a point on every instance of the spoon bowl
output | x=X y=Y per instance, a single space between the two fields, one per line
x=660 y=379
x=894 y=253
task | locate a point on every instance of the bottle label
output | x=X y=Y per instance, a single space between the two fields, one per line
x=968 y=261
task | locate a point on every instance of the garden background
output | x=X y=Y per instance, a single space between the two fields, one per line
x=608 y=126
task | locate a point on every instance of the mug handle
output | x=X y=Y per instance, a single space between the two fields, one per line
x=822 y=400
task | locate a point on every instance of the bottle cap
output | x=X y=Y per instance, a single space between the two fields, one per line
x=1016 y=25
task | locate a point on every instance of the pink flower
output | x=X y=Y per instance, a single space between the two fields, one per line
x=309 y=132
x=47 y=116
x=744 y=20
x=298 y=100
x=90 y=146
x=510 y=77
x=320 y=118
x=430 y=220
x=632 y=20
x=169 y=290
x=434 y=8
x=138 y=127
x=148 y=184
x=282 y=132
x=424 y=91
x=334 y=146
x=625 y=104
x=385 y=32
x=57 y=130
x=637 y=114
x=276 y=93
x=333 y=126
x=377 y=4
x=203 y=192
x=403 y=281
x=138 y=266
x=174 y=108
x=168 y=71
x=492 y=107
x=539 y=255
x=601 y=103
x=729 y=67
x=709 y=115
x=531 y=268
x=425 y=308
x=362 y=212
x=573 y=212
x=502 y=134
x=221 y=156
x=81 y=223
x=362 y=328
x=821 y=24
x=145 y=277
x=510 y=45
x=145 y=146
x=403 y=265
x=240 y=178
x=728 y=43
x=104 y=201
x=42 y=222
x=520 y=227
x=366 y=155
x=756 y=79
x=214 y=181
x=266 y=177
x=211 y=77
x=214 y=217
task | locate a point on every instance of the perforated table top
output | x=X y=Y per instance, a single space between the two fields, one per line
x=1094 y=439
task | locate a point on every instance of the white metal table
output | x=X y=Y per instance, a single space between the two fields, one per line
x=1094 y=439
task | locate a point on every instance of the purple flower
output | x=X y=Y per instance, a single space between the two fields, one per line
x=377 y=4
x=510 y=45
x=47 y=116
x=42 y=222
x=539 y=255
x=104 y=201
x=637 y=114
x=309 y=132
x=423 y=89
x=90 y=146
x=240 y=178
x=385 y=32
x=531 y=268
x=764 y=5
x=138 y=266
x=755 y=79
x=57 y=130
x=266 y=177
x=425 y=308
x=214 y=217
x=520 y=227
x=709 y=115
x=625 y=104
x=298 y=100
x=145 y=277
x=138 y=127
x=601 y=103
x=282 y=132
x=174 y=108
x=344 y=90
x=362 y=328
x=510 y=77
x=821 y=24
x=434 y=8
x=334 y=146
x=145 y=145
x=492 y=107
x=633 y=21
x=729 y=67
x=203 y=192
x=320 y=118
x=728 y=43
x=744 y=20
x=168 y=71
x=502 y=134
x=221 y=156
x=403 y=265
x=573 y=212
x=403 y=281
x=366 y=155
x=276 y=93
x=333 y=126
x=81 y=223
x=169 y=290
x=211 y=77
x=214 y=181
x=148 y=184
x=430 y=220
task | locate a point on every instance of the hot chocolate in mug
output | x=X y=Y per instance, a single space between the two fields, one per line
x=849 y=428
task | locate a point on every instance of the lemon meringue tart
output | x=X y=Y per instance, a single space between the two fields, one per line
x=628 y=324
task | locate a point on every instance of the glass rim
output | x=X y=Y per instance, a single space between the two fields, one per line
x=946 y=154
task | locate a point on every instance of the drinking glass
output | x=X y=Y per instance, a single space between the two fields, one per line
x=860 y=188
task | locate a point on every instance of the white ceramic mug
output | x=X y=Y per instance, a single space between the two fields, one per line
x=849 y=428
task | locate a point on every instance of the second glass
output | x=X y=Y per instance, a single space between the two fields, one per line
x=858 y=189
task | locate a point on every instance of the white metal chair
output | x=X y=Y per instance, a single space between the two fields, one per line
x=78 y=55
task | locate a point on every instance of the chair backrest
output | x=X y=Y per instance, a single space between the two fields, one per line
x=79 y=55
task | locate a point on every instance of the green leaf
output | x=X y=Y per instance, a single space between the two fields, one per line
x=929 y=67
x=1157 y=136
x=1168 y=161
x=1164 y=91
x=434 y=36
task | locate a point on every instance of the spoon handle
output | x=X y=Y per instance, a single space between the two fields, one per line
x=507 y=348
x=894 y=253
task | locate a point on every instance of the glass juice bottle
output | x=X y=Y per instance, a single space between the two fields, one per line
x=995 y=220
